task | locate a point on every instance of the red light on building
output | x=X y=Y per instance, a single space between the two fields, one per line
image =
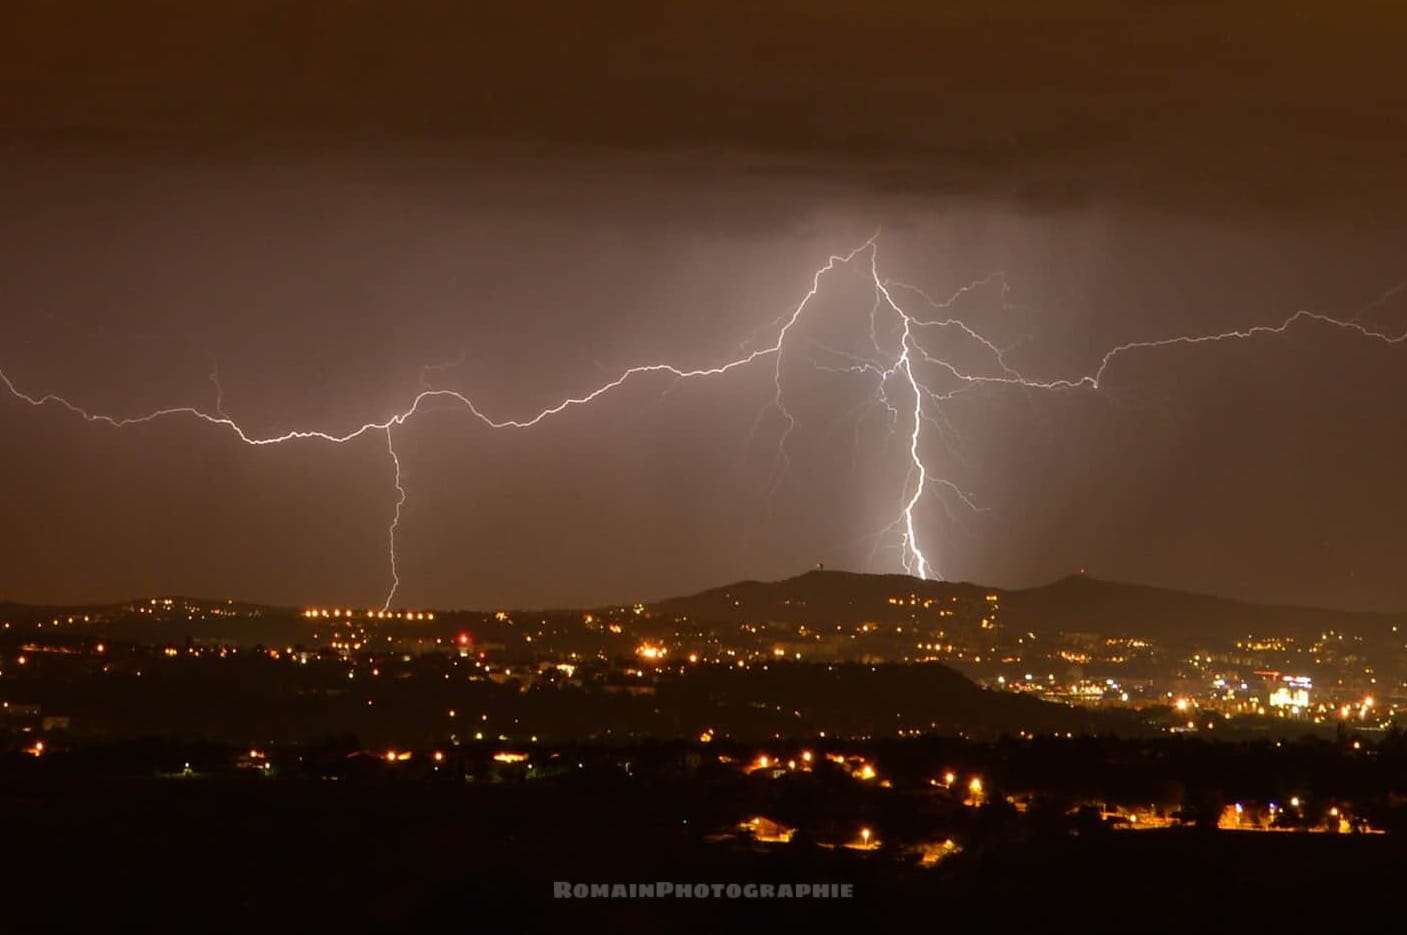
x=463 y=639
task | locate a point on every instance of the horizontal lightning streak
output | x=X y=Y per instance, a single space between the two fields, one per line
x=897 y=367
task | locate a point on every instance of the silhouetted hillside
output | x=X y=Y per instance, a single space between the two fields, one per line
x=1080 y=603
x=816 y=598
x=1074 y=604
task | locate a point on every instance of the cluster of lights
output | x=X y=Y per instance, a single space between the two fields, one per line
x=347 y=613
x=1362 y=708
x=765 y=762
x=910 y=601
x=765 y=829
x=975 y=790
x=258 y=759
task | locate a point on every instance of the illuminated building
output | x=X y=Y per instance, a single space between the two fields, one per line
x=1294 y=694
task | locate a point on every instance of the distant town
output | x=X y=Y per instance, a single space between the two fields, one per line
x=1081 y=645
x=915 y=740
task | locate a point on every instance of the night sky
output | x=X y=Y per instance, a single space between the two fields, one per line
x=321 y=200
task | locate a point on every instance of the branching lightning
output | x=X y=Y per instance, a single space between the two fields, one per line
x=913 y=404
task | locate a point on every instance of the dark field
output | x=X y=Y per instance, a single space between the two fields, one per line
x=238 y=856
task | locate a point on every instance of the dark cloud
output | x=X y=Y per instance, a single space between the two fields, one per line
x=1212 y=107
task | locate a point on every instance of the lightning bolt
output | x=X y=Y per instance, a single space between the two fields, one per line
x=1254 y=331
x=395 y=519
x=911 y=402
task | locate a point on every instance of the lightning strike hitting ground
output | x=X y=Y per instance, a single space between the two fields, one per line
x=893 y=370
x=395 y=519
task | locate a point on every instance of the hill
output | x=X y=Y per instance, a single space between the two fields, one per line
x=1075 y=604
